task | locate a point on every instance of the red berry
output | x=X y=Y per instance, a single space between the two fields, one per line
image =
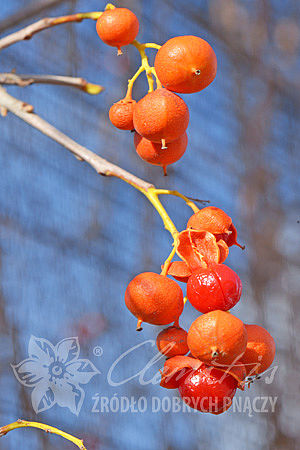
x=208 y=389
x=215 y=287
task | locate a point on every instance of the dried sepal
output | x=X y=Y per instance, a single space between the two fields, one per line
x=180 y=271
x=186 y=251
x=217 y=222
x=223 y=249
x=200 y=249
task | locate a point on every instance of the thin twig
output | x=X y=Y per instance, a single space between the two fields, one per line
x=26 y=80
x=198 y=200
x=103 y=167
x=43 y=24
x=32 y=10
x=47 y=428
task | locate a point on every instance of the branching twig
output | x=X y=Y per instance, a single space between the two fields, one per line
x=43 y=24
x=102 y=166
x=26 y=80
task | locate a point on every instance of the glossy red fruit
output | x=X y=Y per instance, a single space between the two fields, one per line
x=215 y=287
x=208 y=389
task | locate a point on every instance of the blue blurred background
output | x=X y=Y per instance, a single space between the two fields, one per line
x=71 y=240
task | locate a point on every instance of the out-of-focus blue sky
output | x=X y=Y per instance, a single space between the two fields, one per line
x=71 y=240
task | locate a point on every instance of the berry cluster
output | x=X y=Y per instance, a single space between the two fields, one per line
x=184 y=64
x=224 y=352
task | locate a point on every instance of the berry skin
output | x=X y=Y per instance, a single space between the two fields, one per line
x=260 y=350
x=121 y=114
x=117 y=27
x=176 y=369
x=161 y=115
x=154 y=299
x=215 y=287
x=152 y=152
x=208 y=389
x=172 y=341
x=186 y=64
x=217 y=338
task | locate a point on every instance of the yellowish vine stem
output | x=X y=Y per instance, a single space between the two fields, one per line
x=177 y=194
x=168 y=261
x=132 y=81
x=152 y=196
x=145 y=63
x=47 y=428
x=152 y=45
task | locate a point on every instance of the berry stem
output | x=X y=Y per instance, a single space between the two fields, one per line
x=24 y=423
x=158 y=83
x=168 y=261
x=152 y=196
x=152 y=45
x=145 y=63
x=132 y=81
x=177 y=194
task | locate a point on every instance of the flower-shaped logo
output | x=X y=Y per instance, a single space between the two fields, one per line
x=55 y=374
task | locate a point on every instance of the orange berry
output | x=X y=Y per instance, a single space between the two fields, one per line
x=217 y=222
x=152 y=152
x=172 y=341
x=217 y=337
x=260 y=350
x=117 y=27
x=161 y=115
x=186 y=64
x=154 y=299
x=121 y=114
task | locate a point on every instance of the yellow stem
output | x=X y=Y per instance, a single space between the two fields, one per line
x=168 y=261
x=152 y=196
x=152 y=45
x=185 y=299
x=158 y=83
x=177 y=194
x=145 y=63
x=132 y=80
x=109 y=6
x=24 y=423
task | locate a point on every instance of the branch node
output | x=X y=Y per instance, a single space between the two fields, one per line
x=27 y=107
x=3 y=111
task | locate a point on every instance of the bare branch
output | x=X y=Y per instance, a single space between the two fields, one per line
x=32 y=10
x=43 y=24
x=103 y=167
x=26 y=80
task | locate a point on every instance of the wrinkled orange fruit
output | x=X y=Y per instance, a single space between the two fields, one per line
x=172 y=341
x=217 y=222
x=161 y=115
x=186 y=64
x=260 y=350
x=154 y=299
x=117 y=27
x=121 y=114
x=217 y=337
x=153 y=153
